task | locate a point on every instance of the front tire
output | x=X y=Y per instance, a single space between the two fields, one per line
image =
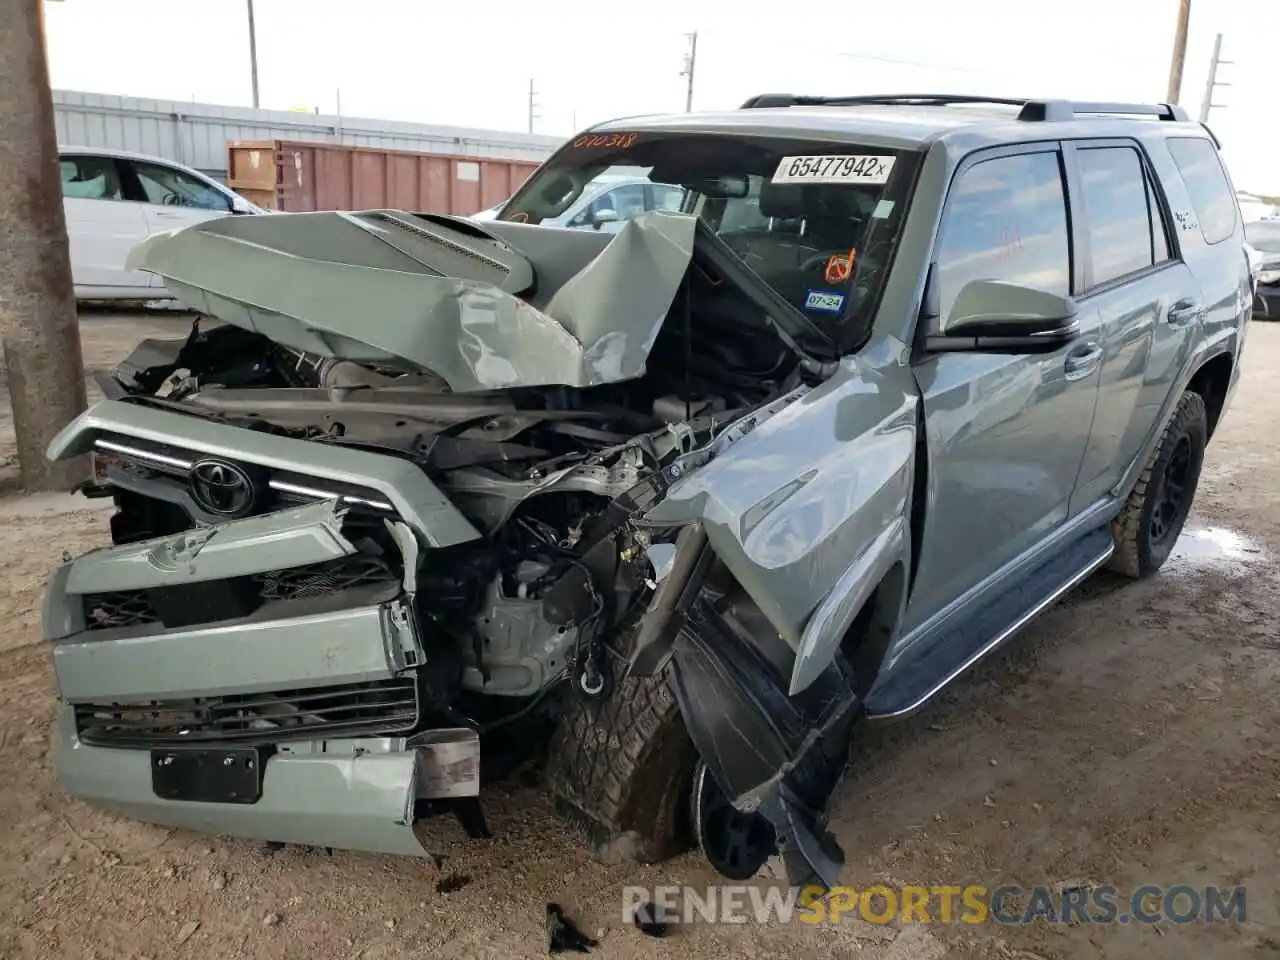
x=620 y=769
x=1157 y=508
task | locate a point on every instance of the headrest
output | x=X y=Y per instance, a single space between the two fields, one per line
x=782 y=200
x=815 y=202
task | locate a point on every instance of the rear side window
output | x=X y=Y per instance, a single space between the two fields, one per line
x=1125 y=231
x=89 y=178
x=1207 y=183
x=1006 y=220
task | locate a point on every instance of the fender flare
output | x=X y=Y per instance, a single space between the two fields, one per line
x=831 y=621
x=1195 y=363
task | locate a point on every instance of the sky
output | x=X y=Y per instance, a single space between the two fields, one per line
x=471 y=64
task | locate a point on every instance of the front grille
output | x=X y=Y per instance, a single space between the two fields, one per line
x=322 y=579
x=152 y=483
x=358 y=709
x=217 y=600
x=114 y=611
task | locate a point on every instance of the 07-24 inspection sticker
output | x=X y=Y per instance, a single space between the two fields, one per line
x=844 y=169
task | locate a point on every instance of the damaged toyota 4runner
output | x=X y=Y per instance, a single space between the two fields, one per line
x=678 y=506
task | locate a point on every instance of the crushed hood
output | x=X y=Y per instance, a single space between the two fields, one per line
x=385 y=285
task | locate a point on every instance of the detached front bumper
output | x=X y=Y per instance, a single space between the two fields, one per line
x=348 y=794
x=319 y=693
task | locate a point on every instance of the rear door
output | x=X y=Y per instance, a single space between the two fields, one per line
x=102 y=225
x=1148 y=301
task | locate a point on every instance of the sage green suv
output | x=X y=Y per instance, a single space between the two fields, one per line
x=684 y=504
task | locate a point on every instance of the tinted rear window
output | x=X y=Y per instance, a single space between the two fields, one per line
x=1119 y=214
x=1207 y=183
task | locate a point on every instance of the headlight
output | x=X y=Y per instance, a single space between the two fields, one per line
x=1269 y=275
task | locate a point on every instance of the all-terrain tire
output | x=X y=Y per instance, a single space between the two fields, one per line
x=1137 y=554
x=620 y=770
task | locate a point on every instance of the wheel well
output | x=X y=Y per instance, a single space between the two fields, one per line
x=1211 y=382
x=867 y=641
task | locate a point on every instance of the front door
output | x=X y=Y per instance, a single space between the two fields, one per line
x=171 y=198
x=1006 y=433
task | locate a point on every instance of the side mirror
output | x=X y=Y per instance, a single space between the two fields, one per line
x=241 y=205
x=604 y=215
x=991 y=316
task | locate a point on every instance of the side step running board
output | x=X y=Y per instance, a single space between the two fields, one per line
x=914 y=684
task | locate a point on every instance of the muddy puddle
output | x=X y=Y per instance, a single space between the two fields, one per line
x=1216 y=548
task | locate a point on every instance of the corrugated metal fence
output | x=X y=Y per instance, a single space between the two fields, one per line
x=197 y=134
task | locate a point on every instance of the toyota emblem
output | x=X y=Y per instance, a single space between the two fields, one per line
x=222 y=488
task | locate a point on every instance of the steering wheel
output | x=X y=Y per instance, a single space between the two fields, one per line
x=173 y=200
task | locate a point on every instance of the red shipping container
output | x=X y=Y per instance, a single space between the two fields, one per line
x=296 y=176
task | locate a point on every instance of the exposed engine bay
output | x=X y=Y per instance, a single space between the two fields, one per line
x=407 y=558
x=553 y=476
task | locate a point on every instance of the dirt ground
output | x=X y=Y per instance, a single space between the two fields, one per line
x=1132 y=735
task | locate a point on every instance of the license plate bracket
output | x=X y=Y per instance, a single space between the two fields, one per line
x=208 y=774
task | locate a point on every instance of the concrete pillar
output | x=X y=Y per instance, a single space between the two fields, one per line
x=38 y=323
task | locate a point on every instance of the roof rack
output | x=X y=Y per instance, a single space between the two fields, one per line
x=1032 y=111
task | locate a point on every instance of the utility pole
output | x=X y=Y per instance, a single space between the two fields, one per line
x=253 y=55
x=533 y=105
x=1213 y=82
x=1179 y=52
x=690 y=59
x=38 y=323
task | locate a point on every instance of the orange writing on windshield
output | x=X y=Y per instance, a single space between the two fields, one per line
x=619 y=141
x=840 y=268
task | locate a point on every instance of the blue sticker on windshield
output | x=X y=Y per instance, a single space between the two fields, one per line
x=825 y=301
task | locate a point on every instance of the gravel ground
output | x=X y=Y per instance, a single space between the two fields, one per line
x=1130 y=736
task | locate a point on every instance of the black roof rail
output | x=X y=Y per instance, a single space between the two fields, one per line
x=1031 y=110
x=904 y=99
x=1038 y=110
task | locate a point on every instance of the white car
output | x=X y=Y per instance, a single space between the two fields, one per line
x=114 y=200
x=608 y=204
x=488 y=214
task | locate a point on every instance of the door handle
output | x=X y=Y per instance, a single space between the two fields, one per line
x=1185 y=312
x=1083 y=360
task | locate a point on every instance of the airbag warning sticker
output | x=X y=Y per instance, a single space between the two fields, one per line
x=847 y=169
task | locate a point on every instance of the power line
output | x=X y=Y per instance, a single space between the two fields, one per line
x=1207 y=103
x=775 y=43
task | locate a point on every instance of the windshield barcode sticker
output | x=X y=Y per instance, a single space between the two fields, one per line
x=857 y=169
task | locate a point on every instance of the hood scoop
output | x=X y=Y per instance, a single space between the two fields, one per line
x=448 y=251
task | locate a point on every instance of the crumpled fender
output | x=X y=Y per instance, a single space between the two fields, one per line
x=810 y=509
x=776 y=755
